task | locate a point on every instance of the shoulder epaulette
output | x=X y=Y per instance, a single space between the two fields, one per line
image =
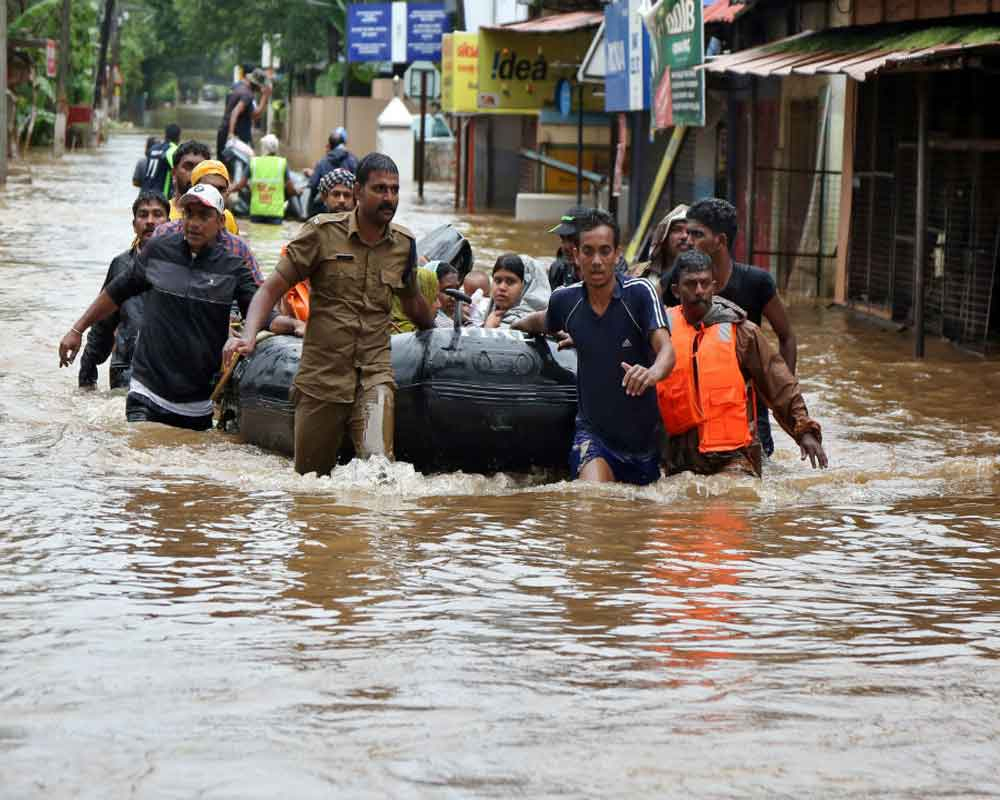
x=397 y=228
x=337 y=216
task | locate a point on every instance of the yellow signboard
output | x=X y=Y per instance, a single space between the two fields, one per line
x=459 y=72
x=518 y=72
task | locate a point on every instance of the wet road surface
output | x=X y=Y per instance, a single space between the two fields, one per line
x=182 y=616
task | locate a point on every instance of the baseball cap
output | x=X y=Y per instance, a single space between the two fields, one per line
x=206 y=195
x=209 y=167
x=567 y=222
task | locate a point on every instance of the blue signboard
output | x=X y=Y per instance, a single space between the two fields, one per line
x=369 y=32
x=426 y=23
x=627 y=85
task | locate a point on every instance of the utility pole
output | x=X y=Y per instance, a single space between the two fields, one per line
x=62 y=100
x=3 y=92
x=102 y=53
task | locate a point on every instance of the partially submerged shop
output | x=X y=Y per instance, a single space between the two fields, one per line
x=503 y=86
x=920 y=225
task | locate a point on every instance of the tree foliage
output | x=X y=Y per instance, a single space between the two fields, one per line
x=198 y=41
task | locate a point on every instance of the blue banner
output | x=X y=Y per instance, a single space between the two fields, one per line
x=627 y=86
x=426 y=23
x=369 y=32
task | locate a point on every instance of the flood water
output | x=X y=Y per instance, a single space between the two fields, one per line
x=182 y=616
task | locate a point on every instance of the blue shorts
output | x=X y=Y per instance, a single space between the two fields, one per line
x=587 y=445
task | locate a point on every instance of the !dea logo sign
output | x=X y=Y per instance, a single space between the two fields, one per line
x=513 y=68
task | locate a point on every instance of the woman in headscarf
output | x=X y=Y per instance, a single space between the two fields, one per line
x=520 y=287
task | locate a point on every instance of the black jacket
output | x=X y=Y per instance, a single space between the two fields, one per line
x=114 y=336
x=186 y=316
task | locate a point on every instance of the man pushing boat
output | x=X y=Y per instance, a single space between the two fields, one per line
x=355 y=262
x=190 y=280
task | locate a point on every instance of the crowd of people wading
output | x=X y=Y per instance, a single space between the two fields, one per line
x=674 y=373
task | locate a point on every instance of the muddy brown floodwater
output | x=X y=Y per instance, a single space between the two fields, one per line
x=181 y=616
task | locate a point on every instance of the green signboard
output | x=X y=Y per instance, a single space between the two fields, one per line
x=678 y=35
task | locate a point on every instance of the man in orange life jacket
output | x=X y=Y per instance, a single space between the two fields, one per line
x=707 y=402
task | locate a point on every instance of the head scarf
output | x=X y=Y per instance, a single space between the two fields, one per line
x=534 y=295
x=332 y=178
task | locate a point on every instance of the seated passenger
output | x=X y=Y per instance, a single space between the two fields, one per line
x=447 y=278
x=477 y=279
x=707 y=403
x=478 y=286
x=520 y=287
x=428 y=285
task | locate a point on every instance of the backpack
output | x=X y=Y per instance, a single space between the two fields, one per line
x=158 y=169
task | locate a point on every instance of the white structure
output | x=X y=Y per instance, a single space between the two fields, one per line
x=394 y=137
x=493 y=12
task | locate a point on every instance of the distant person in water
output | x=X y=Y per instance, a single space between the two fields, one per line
x=723 y=361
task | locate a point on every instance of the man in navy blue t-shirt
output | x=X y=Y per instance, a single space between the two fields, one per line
x=619 y=330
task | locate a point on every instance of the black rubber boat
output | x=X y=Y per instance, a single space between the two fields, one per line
x=472 y=399
x=467 y=398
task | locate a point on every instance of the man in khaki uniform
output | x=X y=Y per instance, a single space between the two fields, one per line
x=355 y=261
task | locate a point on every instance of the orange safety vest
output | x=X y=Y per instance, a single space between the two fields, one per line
x=298 y=299
x=706 y=387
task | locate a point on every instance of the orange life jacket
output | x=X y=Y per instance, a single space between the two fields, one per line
x=706 y=387
x=298 y=300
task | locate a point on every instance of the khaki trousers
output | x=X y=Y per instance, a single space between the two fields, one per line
x=320 y=428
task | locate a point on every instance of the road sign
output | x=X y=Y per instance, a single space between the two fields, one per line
x=627 y=85
x=51 y=66
x=411 y=80
x=397 y=32
x=369 y=32
x=426 y=23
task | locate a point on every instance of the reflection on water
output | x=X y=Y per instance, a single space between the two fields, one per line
x=181 y=615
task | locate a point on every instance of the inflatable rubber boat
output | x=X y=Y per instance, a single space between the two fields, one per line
x=467 y=398
x=472 y=399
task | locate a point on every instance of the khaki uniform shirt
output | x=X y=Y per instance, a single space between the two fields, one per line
x=351 y=288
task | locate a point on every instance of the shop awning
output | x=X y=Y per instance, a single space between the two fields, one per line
x=860 y=51
x=556 y=23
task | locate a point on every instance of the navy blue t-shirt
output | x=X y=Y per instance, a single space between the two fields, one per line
x=625 y=424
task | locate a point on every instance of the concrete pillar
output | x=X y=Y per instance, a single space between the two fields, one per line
x=394 y=137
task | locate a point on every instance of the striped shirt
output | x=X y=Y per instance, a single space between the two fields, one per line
x=233 y=244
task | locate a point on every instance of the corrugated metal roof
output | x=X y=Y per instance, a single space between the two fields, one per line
x=556 y=23
x=858 y=52
x=724 y=11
